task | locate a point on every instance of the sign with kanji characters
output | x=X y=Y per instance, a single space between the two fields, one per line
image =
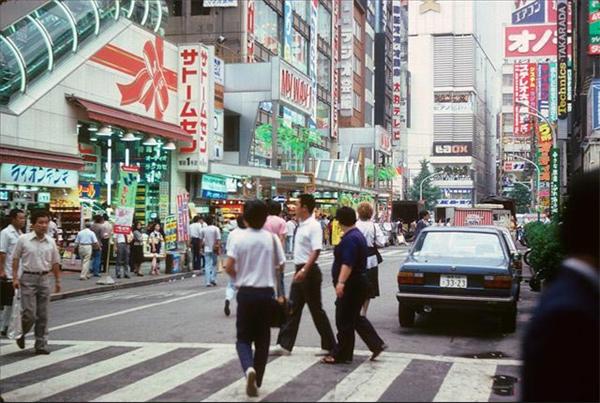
x=128 y=181
x=170 y=232
x=335 y=92
x=532 y=13
x=523 y=41
x=123 y=220
x=397 y=101
x=38 y=176
x=543 y=89
x=594 y=27
x=183 y=217
x=554 y=180
x=196 y=96
x=553 y=93
x=521 y=100
x=346 y=60
x=513 y=166
x=248 y=32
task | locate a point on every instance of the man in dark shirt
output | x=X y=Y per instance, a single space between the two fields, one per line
x=348 y=271
x=423 y=222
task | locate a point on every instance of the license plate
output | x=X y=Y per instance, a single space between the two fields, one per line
x=449 y=281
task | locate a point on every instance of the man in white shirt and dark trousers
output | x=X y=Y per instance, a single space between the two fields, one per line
x=8 y=240
x=211 y=239
x=306 y=287
x=195 y=234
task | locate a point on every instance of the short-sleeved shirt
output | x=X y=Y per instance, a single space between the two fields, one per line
x=210 y=235
x=351 y=251
x=255 y=253
x=275 y=225
x=309 y=237
x=37 y=255
x=8 y=240
x=195 y=230
x=291 y=227
x=86 y=237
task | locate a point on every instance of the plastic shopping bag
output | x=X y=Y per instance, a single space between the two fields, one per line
x=15 y=327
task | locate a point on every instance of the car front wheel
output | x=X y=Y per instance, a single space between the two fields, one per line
x=406 y=316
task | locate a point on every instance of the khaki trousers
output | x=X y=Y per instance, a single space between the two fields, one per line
x=35 y=298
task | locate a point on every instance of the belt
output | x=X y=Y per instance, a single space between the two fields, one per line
x=36 y=273
x=299 y=266
x=85 y=244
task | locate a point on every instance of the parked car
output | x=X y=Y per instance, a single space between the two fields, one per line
x=512 y=247
x=459 y=268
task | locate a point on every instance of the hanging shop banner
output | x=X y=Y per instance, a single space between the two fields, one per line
x=183 y=217
x=562 y=58
x=346 y=59
x=170 y=229
x=543 y=161
x=383 y=140
x=335 y=70
x=163 y=199
x=248 y=16
x=554 y=180
x=543 y=90
x=37 y=176
x=196 y=96
x=128 y=181
x=214 y=187
x=397 y=104
x=521 y=41
x=123 y=220
x=91 y=160
x=532 y=13
x=521 y=95
x=553 y=93
x=89 y=190
x=594 y=27
x=314 y=6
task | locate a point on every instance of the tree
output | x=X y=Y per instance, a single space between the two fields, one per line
x=522 y=196
x=431 y=194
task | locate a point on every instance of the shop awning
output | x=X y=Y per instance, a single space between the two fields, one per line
x=27 y=156
x=127 y=120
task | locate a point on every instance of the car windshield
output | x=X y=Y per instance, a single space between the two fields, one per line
x=459 y=245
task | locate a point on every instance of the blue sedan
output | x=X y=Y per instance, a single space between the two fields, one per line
x=459 y=268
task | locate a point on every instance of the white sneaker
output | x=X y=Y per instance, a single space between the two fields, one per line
x=251 y=388
x=278 y=350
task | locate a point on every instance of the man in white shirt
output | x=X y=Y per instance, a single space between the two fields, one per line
x=306 y=288
x=86 y=242
x=211 y=239
x=290 y=227
x=8 y=240
x=195 y=235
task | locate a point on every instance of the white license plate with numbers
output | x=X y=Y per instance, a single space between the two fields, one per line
x=450 y=281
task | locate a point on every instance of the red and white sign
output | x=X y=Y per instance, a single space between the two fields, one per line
x=335 y=96
x=530 y=40
x=195 y=69
x=469 y=217
x=532 y=72
x=513 y=166
x=249 y=31
x=521 y=95
x=295 y=88
x=383 y=140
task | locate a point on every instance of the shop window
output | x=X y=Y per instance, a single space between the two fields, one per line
x=198 y=8
x=324 y=71
x=324 y=23
x=268 y=27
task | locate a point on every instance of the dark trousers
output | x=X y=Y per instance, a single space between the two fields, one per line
x=307 y=292
x=196 y=254
x=348 y=320
x=254 y=307
x=104 y=263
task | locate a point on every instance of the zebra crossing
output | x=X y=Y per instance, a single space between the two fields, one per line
x=103 y=371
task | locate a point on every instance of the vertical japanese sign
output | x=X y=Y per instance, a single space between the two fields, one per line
x=126 y=192
x=544 y=147
x=562 y=56
x=170 y=232
x=183 y=217
x=521 y=99
x=288 y=28
x=532 y=72
x=346 y=59
x=553 y=94
x=335 y=105
x=396 y=69
x=543 y=90
x=218 y=82
x=594 y=27
x=248 y=36
x=314 y=6
x=554 y=180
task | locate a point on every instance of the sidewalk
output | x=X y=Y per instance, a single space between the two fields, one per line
x=72 y=286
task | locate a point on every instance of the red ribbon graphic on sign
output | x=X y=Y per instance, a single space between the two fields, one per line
x=149 y=85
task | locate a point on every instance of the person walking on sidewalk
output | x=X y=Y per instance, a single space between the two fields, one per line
x=306 y=286
x=250 y=263
x=137 y=248
x=8 y=240
x=349 y=280
x=211 y=239
x=196 y=241
x=156 y=243
x=86 y=242
x=98 y=229
x=231 y=290
x=276 y=226
x=36 y=253
x=123 y=251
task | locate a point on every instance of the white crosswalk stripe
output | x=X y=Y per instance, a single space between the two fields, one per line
x=466 y=380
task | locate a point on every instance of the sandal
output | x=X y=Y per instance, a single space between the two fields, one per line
x=328 y=359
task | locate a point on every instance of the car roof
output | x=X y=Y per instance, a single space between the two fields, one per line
x=483 y=229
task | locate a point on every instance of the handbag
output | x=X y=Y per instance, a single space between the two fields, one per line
x=15 y=327
x=280 y=307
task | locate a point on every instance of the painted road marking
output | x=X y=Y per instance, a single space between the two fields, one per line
x=467 y=383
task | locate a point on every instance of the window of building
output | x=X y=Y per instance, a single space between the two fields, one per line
x=357 y=65
x=300 y=7
x=323 y=115
x=357 y=102
x=368 y=114
x=369 y=79
x=299 y=52
x=197 y=8
x=324 y=22
x=507 y=122
x=176 y=8
x=507 y=80
x=357 y=30
x=324 y=71
x=369 y=48
x=507 y=99
x=267 y=26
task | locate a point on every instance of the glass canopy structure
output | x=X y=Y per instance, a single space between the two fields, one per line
x=32 y=46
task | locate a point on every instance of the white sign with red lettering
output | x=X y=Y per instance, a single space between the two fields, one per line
x=295 y=89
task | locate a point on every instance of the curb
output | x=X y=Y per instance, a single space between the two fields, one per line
x=105 y=288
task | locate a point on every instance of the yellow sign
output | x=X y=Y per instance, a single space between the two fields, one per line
x=336 y=233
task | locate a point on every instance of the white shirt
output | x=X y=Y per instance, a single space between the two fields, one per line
x=8 y=240
x=86 y=237
x=255 y=253
x=232 y=237
x=210 y=235
x=52 y=229
x=372 y=233
x=309 y=237
x=195 y=229
x=290 y=226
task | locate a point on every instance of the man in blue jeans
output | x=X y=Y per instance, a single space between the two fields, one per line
x=211 y=239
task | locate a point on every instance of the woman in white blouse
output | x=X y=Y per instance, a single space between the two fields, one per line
x=375 y=239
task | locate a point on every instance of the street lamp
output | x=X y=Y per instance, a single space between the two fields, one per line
x=423 y=181
x=537 y=191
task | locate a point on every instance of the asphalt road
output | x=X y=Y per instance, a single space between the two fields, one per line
x=172 y=341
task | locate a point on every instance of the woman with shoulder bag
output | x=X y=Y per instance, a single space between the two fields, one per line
x=252 y=262
x=375 y=238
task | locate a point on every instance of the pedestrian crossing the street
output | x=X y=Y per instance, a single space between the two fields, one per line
x=146 y=371
x=389 y=253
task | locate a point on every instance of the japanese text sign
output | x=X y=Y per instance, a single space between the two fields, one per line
x=335 y=71
x=521 y=99
x=530 y=40
x=594 y=27
x=38 y=176
x=171 y=232
x=531 y=13
x=183 y=217
x=128 y=181
x=397 y=104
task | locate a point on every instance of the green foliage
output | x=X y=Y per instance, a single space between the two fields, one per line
x=384 y=173
x=431 y=194
x=546 y=249
x=290 y=141
x=351 y=200
x=522 y=197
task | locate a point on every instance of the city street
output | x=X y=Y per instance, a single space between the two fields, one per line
x=172 y=342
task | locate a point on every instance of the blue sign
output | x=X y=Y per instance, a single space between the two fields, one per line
x=532 y=13
x=595 y=118
x=211 y=194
